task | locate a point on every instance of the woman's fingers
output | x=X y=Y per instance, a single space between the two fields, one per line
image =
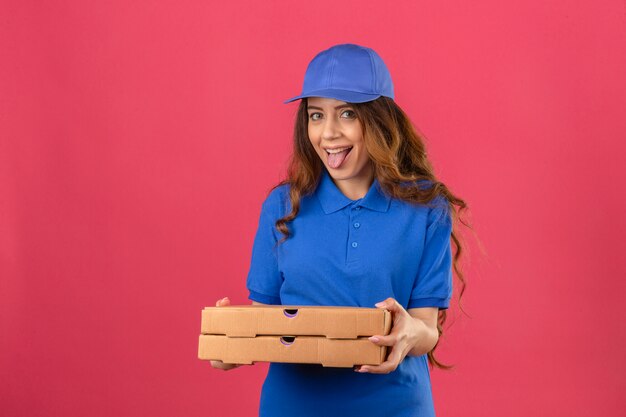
x=393 y=306
x=223 y=302
x=227 y=366
x=394 y=357
x=388 y=340
x=219 y=364
x=224 y=366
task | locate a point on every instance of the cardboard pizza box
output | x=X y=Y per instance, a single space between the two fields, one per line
x=328 y=321
x=291 y=349
x=327 y=335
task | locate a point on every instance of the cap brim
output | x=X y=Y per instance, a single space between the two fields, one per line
x=343 y=95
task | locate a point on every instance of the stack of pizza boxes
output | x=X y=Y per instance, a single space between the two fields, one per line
x=327 y=335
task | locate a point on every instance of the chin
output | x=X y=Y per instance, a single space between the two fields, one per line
x=340 y=176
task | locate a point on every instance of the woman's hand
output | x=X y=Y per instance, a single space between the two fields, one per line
x=219 y=364
x=405 y=332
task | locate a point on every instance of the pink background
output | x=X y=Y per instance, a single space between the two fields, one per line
x=138 y=140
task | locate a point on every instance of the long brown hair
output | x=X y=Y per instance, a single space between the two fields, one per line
x=398 y=155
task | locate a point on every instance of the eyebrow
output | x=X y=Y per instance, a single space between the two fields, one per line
x=336 y=107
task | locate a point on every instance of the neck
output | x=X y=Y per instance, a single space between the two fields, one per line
x=355 y=187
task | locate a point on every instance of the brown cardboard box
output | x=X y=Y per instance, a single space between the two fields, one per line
x=326 y=335
x=332 y=322
x=294 y=349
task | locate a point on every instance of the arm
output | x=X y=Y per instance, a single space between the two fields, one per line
x=414 y=332
x=426 y=320
x=432 y=288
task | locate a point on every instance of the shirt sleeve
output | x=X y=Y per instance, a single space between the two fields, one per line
x=433 y=284
x=264 y=278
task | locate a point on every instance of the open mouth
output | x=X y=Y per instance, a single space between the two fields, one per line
x=335 y=159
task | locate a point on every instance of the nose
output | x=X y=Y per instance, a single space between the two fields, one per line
x=330 y=130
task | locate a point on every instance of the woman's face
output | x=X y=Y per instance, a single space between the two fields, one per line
x=333 y=126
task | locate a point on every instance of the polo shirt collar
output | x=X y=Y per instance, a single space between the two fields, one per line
x=332 y=199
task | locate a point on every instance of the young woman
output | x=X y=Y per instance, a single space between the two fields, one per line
x=360 y=221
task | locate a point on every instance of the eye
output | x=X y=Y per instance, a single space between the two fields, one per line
x=351 y=112
x=313 y=114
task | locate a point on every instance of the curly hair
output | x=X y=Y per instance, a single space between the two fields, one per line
x=398 y=154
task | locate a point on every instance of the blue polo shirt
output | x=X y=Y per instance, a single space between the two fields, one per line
x=345 y=252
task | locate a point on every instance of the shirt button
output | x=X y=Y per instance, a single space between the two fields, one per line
x=354 y=244
x=357 y=224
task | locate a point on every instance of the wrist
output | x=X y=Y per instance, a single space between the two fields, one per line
x=425 y=338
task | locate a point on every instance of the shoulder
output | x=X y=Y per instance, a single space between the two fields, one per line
x=275 y=203
x=437 y=209
x=422 y=184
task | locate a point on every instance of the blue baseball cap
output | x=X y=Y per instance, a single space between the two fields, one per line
x=347 y=72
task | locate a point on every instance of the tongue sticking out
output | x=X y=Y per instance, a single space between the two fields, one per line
x=336 y=159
